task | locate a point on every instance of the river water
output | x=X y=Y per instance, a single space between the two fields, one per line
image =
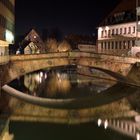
x=91 y=107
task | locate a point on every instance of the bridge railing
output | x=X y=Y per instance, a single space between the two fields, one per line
x=75 y=54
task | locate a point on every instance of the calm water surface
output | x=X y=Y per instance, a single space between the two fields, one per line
x=106 y=109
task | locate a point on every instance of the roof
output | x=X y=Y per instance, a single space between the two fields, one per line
x=33 y=36
x=126 y=8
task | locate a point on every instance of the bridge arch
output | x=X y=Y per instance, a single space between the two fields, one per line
x=115 y=66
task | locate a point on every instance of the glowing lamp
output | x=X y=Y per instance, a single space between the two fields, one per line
x=9 y=36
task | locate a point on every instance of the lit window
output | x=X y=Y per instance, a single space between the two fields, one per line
x=124 y=44
x=9 y=36
x=128 y=44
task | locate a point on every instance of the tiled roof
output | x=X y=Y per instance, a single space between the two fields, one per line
x=123 y=6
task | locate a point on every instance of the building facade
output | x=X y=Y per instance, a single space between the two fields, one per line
x=117 y=33
x=7 y=21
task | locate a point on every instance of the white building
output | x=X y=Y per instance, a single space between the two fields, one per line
x=117 y=33
x=118 y=38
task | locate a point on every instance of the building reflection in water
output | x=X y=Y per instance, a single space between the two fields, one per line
x=126 y=127
x=109 y=101
x=57 y=84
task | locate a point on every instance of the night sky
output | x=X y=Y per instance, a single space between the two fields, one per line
x=69 y=16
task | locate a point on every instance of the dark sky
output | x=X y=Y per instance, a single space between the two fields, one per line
x=69 y=16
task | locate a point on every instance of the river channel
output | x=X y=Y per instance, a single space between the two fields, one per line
x=64 y=104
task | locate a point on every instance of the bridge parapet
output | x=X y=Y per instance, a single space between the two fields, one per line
x=22 y=64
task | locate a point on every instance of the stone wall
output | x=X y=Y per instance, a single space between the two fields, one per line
x=119 y=67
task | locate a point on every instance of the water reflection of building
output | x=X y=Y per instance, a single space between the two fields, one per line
x=127 y=127
x=7 y=19
x=117 y=32
x=31 y=44
x=47 y=84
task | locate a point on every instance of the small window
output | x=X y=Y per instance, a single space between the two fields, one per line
x=112 y=31
x=134 y=29
x=120 y=45
x=133 y=42
x=109 y=45
x=116 y=31
x=120 y=30
x=105 y=46
x=108 y=33
x=102 y=34
x=125 y=30
x=129 y=30
x=101 y=45
x=112 y=45
x=124 y=44
x=128 y=44
x=116 y=45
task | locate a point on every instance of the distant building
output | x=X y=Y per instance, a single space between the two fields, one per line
x=117 y=32
x=31 y=44
x=87 y=47
x=75 y=40
x=31 y=48
x=7 y=21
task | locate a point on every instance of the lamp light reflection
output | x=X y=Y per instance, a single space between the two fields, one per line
x=105 y=124
x=99 y=122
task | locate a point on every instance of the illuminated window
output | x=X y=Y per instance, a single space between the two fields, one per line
x=124 y=44
x=9 y=36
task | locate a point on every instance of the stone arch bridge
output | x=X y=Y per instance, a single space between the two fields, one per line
x=122 y=68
